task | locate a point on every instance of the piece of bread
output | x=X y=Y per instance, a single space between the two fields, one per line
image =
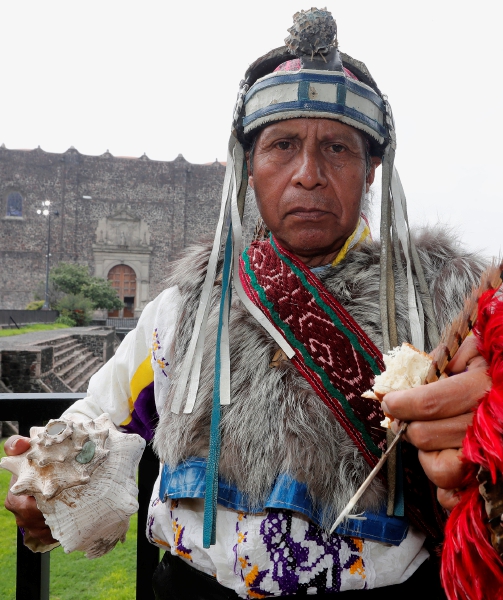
x=406 y=367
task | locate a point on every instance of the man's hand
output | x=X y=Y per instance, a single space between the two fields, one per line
x=439 y=414
x=25 y=507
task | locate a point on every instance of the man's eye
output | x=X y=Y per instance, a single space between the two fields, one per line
x=336 y=148
x=284 y=145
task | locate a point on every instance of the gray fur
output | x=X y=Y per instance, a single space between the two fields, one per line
x=276 y=422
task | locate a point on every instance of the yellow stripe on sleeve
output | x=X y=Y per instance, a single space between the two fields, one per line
x=143 y=376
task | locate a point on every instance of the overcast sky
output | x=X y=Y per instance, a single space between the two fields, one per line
x=160 y=77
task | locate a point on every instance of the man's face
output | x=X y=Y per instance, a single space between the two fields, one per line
x=309 y=177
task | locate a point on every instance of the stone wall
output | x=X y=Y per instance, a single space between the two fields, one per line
x=101 y=343
x=173 y=204
x=22 y=368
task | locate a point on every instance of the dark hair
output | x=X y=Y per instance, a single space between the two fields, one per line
x=250 y=150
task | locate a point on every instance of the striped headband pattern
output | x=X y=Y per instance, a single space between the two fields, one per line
x=286 y=94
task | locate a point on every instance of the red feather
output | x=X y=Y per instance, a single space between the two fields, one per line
x=471 y=567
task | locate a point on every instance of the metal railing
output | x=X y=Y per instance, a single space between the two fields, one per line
x=32 y=569
x=122 y=322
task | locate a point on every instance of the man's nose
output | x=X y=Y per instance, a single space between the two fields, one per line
x=309 y=172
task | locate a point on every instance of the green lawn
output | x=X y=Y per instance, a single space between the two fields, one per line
x=73 y=577
x=30 y=328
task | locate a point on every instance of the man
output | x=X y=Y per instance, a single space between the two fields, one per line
x=259 y=397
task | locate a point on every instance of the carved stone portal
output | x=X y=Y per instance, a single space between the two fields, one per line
x=123 y=239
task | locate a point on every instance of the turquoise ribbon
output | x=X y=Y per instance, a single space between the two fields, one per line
x=211 y=494
x=399 y=508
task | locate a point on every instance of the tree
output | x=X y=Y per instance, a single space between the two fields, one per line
x=76 y=307
x=70 y=277
x=102 y=294
x=55 y=293
x=75 y=280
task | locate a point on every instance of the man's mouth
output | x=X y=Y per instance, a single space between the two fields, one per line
x=307 y=213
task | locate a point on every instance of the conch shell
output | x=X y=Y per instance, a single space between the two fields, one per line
x=82 y=475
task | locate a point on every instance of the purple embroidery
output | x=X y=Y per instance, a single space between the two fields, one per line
x=178 y=531
x=150 y=535
x=308 y=564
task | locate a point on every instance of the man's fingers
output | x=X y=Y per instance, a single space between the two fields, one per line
x=447 y=498
x=28 y=516
x=16 y=444
x=466 y=356
x=25 y=510
x=439 y=435
x=43 y=535
x=443 y=468
x=446 y=398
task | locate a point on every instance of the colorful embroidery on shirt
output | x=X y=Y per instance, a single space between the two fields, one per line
x=315 y=561
x=157 y=353
x=249 y=573
x=151 y=537
x=178 y=531
x=355 y=562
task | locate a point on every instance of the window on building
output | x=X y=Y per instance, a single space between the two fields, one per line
x=14 y=205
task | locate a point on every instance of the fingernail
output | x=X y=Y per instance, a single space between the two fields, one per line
x=394 y=427
x=384 y=406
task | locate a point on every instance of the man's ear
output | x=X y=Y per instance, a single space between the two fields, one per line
x=250 y=176
x=375 y=162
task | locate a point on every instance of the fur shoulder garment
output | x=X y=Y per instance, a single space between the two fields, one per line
x=276 y=422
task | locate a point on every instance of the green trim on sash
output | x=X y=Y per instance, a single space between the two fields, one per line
x=335 y=319
x=331 y=389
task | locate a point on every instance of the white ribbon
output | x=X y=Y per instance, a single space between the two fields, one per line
x=193 y=358
x=416 y=315
x=192 y=362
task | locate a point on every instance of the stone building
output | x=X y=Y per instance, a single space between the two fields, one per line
x=127 y=218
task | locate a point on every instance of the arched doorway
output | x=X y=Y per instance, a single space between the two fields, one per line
x=123 y=279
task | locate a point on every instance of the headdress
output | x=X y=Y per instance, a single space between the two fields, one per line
x=326 y=83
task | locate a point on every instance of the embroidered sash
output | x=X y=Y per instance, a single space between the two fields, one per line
x=332 y=352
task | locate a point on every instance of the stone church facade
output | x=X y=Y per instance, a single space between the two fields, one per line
x=126 y=218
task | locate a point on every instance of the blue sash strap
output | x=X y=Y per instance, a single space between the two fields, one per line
x=188 y=480
x=211 y=473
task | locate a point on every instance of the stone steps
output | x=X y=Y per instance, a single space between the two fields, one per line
x=82 y=384
x=73 y=363
x=63 y=343
x=63 y=366
x=59 y=342
x=80 y=376
x=69 y=349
